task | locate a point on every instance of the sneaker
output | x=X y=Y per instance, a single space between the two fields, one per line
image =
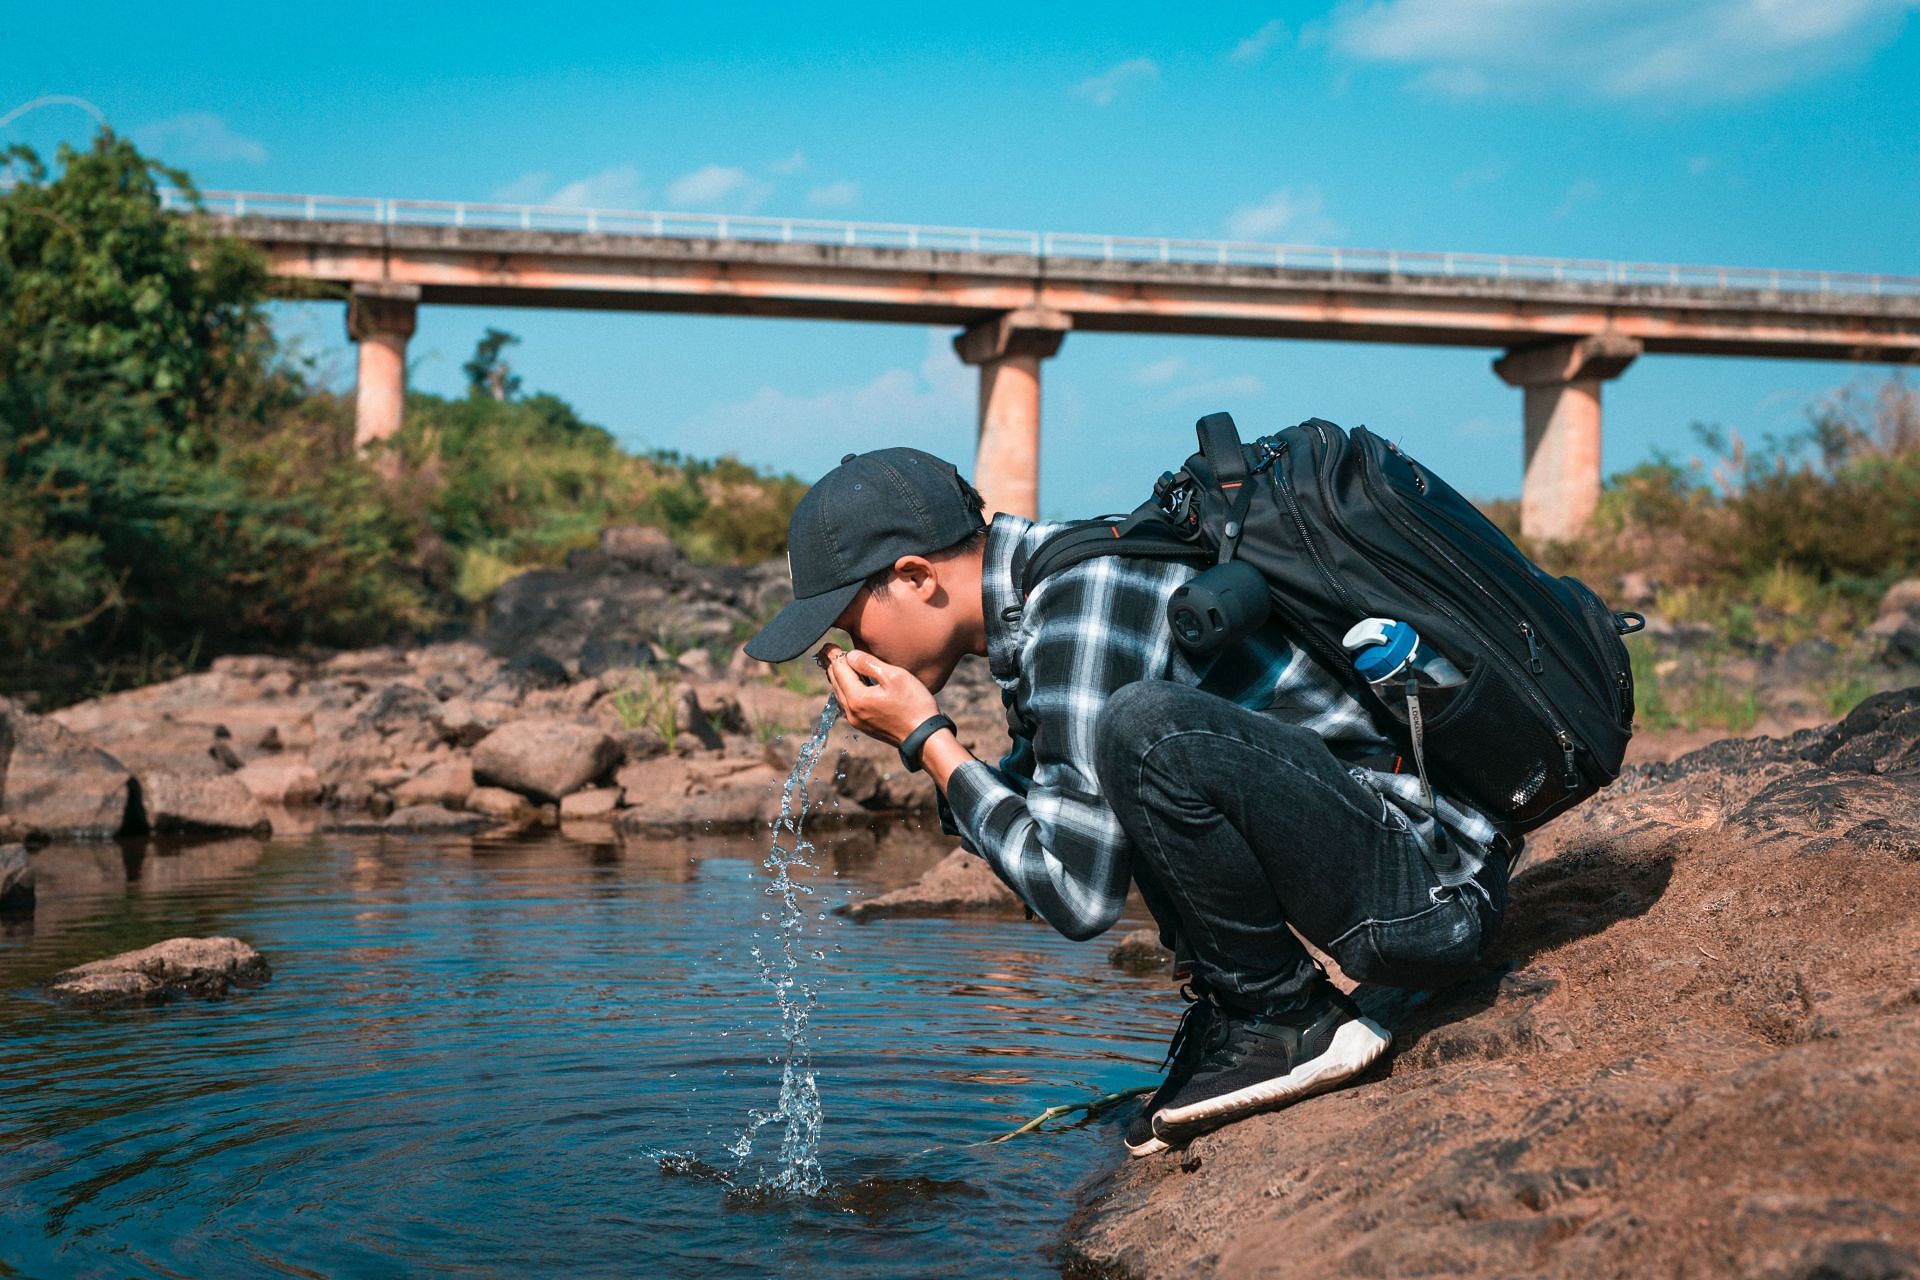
x=1183 y=1055
x=1259 y=1062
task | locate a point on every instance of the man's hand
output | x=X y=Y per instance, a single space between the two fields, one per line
x=889 y=708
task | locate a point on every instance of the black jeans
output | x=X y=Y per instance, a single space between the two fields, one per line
x=1242 y=824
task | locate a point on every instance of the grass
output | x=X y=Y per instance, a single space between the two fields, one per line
x=643 y=700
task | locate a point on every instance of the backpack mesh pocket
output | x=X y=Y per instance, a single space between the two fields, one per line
x=1489 y=747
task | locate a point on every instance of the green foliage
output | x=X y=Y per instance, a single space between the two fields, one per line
x=1795 y=540
x=644 y=700
x=171 y=487
x=168 y=489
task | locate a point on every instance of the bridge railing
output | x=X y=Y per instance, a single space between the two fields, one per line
x=1041 y=244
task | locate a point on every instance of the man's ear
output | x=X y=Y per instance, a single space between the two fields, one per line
x=916 y=574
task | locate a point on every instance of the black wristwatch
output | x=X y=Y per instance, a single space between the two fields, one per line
x=917 y=740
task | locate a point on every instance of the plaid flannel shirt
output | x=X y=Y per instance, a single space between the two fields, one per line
x=1038 y=817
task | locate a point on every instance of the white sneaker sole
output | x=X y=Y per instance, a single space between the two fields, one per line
x=1356 y=1045
x=1151 y=1147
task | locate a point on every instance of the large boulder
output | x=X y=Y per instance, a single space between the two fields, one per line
x=16 y=879
x=56 y=784
x=192 y=804
x=544 y=758
x=961 y=884
x=202 y=967
x=619 y=606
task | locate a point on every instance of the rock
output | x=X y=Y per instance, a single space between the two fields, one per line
x=1140 y=952
x=532 y=671
x=653 y=782
x=728 y=807
x=639 y=546
x=498 y=802
x=16 y=879
x=959 y=884
x=432 y=818
x=280 y=781
x=447 y=783
x=55 y=784
x=200 y=967
x=698 y=664
x=639 y=744
x=599 y=803
x=693 y=720
x=461 y=723
x=187 y=803
x=544 y=758
x=1897 y=625
x=1696 y=1052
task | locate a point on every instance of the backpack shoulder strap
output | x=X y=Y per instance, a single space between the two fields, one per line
x=1142 y=534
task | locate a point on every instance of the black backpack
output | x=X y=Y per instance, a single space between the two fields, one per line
x=1345 y=526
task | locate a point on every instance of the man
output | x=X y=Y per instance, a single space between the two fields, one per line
x=1244 y=797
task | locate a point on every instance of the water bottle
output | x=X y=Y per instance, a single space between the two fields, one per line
x=1389 y=656
x=1386 y=651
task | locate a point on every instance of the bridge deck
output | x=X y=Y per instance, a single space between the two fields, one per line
x=1375 y=296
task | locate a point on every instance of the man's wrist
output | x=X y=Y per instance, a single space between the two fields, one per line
x=912 y=744
x=942 y=756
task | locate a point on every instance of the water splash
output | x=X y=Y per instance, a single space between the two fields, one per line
x=798 y=1111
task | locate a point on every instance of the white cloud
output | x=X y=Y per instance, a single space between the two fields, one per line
x=1158 y=373
x=617 y=187
x=1214 y=393
x=1585 y=191
x=1695 y=50
x=892 y=408
x=1480 y=175
x=794 y=163
x=1297 y=216
x=1106 y=88
x=835 y=195
x=718 y=186
x=1255 y=46
x=198 y=137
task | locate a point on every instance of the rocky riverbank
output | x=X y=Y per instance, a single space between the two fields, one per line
x=1697 y=1053
x=611 y=693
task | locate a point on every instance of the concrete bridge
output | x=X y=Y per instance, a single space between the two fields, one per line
x=1563 y=326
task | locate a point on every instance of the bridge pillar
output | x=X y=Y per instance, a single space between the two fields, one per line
x=380 y=319
x=1009 y=348
x=1562 y=384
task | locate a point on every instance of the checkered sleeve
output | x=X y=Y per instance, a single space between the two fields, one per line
x=1088 y=631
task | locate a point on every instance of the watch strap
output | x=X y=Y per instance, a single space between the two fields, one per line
x=917 y=740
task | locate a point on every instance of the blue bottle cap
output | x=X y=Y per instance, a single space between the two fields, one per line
x=1380 y=661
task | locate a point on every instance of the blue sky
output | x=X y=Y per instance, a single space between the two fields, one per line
x=1750 y=132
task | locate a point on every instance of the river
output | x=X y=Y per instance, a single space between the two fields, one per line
x=529 y=1056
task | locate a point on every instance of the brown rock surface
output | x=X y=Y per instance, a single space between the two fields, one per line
x=959 y=884
x=165 y=971
x=425 y=819
x=280 y=781
x=55 y=783
x=598 y=803
x=1703 y=1057
x=446 y=783
x=189 y=803
x=1140 y=952
x=499 y=802
x=544 y=758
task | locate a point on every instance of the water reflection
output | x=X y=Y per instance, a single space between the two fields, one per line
x=475 y=1050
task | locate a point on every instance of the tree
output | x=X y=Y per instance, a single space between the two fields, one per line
x=487 y=373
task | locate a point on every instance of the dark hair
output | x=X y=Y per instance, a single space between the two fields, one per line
x=976 y=506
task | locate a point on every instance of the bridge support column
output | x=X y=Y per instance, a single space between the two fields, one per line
x=1562 y=383
x=1009 y=349
x=380 y=319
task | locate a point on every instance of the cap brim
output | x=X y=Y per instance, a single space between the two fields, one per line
x=799 y=626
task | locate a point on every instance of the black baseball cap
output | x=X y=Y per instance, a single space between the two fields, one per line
x=861 y=517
